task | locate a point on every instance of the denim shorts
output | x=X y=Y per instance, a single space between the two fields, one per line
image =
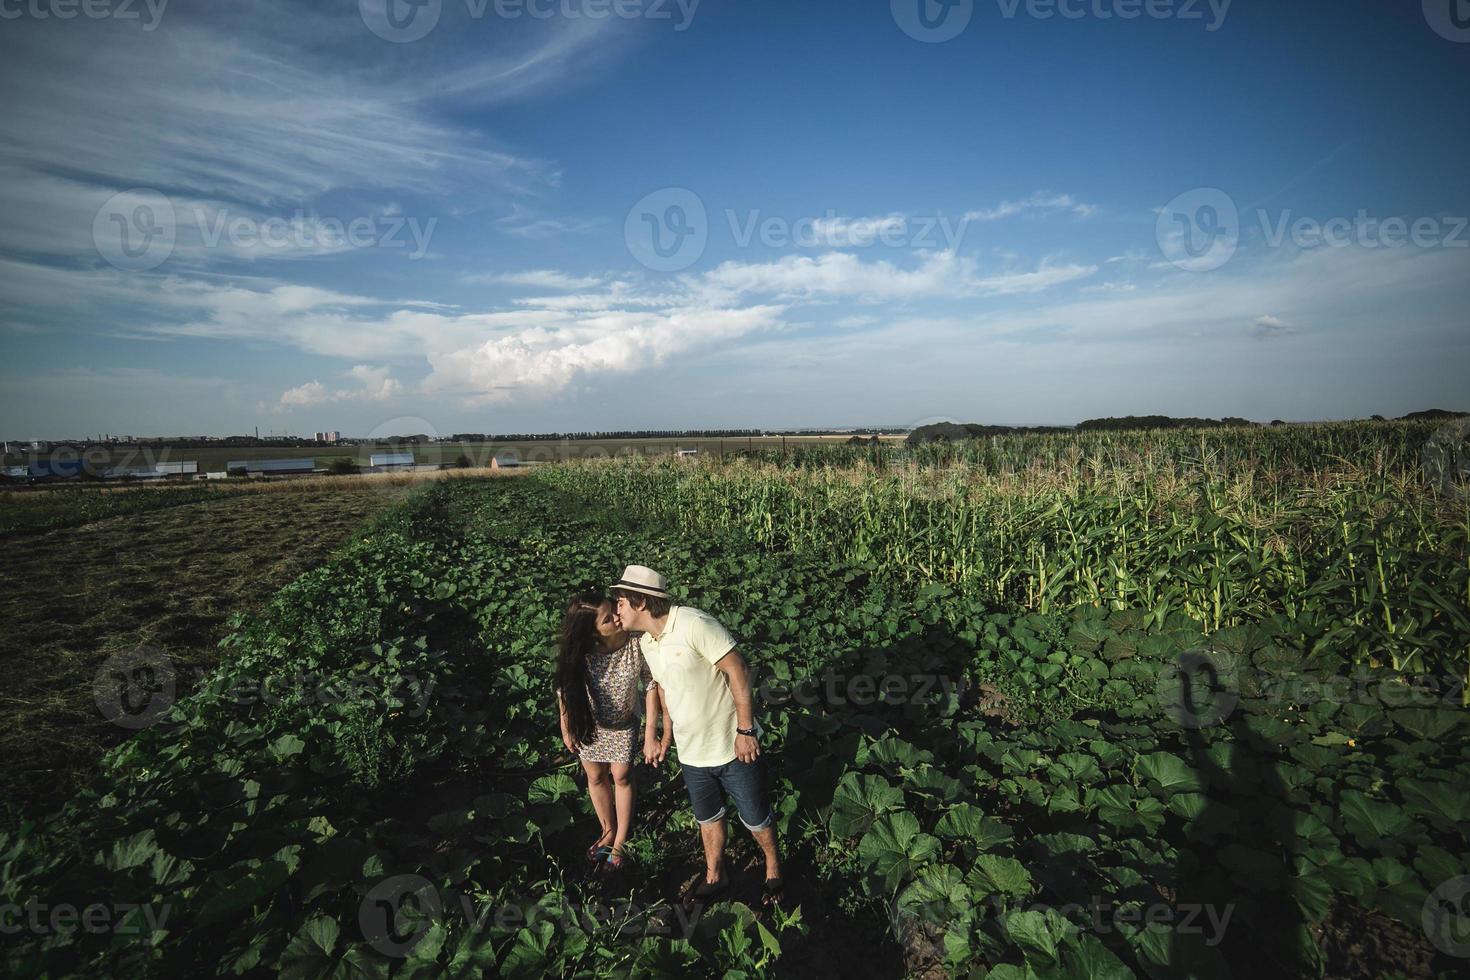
x=745 y=784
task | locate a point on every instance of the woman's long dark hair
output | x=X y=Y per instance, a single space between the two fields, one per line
x=578 y=638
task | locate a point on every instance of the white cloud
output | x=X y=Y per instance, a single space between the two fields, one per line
x=545 y=360
x=1266 y=327
x=373 y=384
x=538 y=278
x=1038 y=202
x=840 y=274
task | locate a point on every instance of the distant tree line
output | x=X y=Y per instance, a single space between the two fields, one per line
x=1159 y=422
x=604 y=436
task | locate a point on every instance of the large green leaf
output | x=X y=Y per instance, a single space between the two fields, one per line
x=1372 y=822
x=993 y=874
x=1121 y=807
x=1089 y=959
x=249 y=886
x=859 y=801
x=894 y=849
x=1442 y=802
x=1170 y=772
x=1039 y=932
x=1427 y=723
x=965 y=821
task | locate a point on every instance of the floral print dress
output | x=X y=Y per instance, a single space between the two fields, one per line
x=614 y=681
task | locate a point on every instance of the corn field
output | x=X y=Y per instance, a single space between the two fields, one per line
x=1332 y=526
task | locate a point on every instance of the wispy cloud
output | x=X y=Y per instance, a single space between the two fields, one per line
x=1039 y=202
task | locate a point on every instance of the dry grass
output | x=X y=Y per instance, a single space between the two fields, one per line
x=165 y=578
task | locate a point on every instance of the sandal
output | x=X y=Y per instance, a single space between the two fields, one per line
x=615 y=860
x=709 y=890
x=598 y=850
x=774 y=890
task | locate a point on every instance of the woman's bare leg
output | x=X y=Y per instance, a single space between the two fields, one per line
x=600 y=789
x=623 y=789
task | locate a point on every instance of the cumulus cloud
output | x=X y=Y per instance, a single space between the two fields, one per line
x=373 y=384
x=547 y=359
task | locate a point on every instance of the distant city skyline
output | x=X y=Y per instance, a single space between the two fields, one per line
x=726 y=214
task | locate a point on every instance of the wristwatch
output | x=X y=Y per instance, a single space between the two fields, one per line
x=745 y=731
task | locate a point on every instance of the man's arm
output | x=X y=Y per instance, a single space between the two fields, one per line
x=732 y=665
x=653 y=749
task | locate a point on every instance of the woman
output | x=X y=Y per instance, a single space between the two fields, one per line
x=598 y=671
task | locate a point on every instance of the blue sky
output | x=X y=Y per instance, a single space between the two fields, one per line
x=297 y=216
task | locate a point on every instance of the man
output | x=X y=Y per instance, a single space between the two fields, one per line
x=706 y=691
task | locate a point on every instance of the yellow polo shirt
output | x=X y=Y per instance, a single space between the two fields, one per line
x=682 y=660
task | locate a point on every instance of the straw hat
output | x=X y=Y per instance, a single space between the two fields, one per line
x=641 y=578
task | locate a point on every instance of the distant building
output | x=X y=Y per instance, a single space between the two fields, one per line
x=329 y=437
x=686 y=453
x=271 y=467
x=390 y=460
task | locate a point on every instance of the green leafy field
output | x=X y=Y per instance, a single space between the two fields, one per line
x=1019 y=782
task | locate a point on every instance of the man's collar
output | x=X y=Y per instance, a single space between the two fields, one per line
x=668 y=624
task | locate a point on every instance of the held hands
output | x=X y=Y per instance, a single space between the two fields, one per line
x=655 y=749
x=747 y=749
